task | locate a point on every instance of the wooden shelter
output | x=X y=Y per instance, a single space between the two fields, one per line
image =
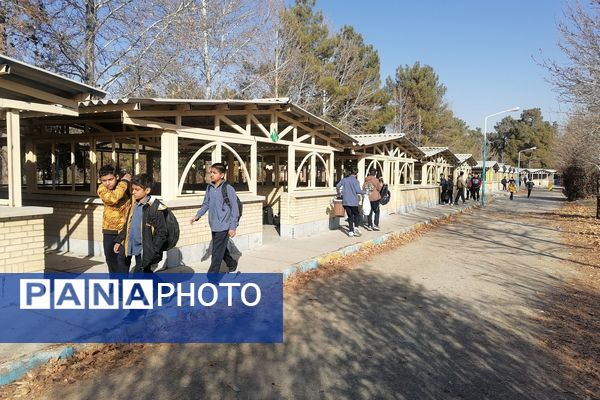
x=27 y=92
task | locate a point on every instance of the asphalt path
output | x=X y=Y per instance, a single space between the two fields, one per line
x=450 y=315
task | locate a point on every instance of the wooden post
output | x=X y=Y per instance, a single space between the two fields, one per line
x=361 y=169
x=252 y=184
x=291 y=169
x=93 y=166
x=169 y=170
x=276 y=169
x=313 y=171
x=13 y=130
x=330 y=177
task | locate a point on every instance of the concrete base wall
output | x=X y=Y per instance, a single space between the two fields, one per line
x=304 y=214
x=76 y=226
x=21 y=244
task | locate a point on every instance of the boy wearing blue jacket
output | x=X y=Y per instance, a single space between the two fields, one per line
x=223 y=217
x=350 y=189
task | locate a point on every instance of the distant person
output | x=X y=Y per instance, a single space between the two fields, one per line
x=114 y=193
x=443 y=189
x=460 y=188
x=512 y=187
x=530 y=186
x=449 y=190
x=372 y=187
x=145 y=231
x=349 y=188
x=221 y=203
x=525 y=180
x=504 y=182
x=475 y=186
x=468 y=188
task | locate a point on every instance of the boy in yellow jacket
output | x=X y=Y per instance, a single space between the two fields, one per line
x=114 y=193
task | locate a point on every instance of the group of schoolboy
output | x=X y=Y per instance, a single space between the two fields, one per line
x=349 y=189
x=471 y=185
x=134 y=226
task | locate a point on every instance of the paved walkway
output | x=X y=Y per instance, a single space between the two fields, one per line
x=448 y=316
x=276 y=254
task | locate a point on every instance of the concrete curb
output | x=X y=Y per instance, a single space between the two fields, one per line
x=13 y=370
x=317 y=262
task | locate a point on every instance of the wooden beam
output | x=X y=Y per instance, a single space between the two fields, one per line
x=43 y=108
x=39 y=94
x=100 y=109
x=233 y=125
x=260 y=125
x=308 y=129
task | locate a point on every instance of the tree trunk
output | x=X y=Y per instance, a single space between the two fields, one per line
x=3 y=23
x=89 y=57
x=206 y=55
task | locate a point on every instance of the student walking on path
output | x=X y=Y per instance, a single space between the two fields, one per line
x=443 y=189
x=373 y=186
x=460 y=188
x=468 y=188
x=530 y=186
x=475 y=186
x=114 y=193
x=221 y=203
x=349 y=188
x=512 y=187
x=449 y=190
x=504 y=182
x=145 y=231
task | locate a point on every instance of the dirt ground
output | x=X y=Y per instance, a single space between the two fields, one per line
x=501 y=303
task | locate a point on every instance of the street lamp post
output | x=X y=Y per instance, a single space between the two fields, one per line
x=519 y=164
x=485 y=150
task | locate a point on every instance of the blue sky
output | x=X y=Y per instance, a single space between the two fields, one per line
x=481 y=49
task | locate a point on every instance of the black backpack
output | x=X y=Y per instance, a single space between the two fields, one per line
x=228 y=202
x=172 y=226
x=385 y=195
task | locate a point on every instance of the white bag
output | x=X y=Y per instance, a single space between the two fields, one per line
x=366 y=206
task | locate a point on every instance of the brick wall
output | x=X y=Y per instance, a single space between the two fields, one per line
x=21 y=244
x=302 y=210
x=77 y=227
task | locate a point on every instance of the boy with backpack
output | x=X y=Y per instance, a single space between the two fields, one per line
x=443 y=186
x=373 y=186
x=512 y=187
x=449 y=190
x=350 y=189
x=475 y=185
x=468 y=189
x=224 y=212
x=114 y=193
x=145 y=232
x=530 y=186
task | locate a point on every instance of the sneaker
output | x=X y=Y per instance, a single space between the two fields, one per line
x=357 y=231
x=232 y=270
x=375 y=228
x=368 y=228
x=351 y=234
